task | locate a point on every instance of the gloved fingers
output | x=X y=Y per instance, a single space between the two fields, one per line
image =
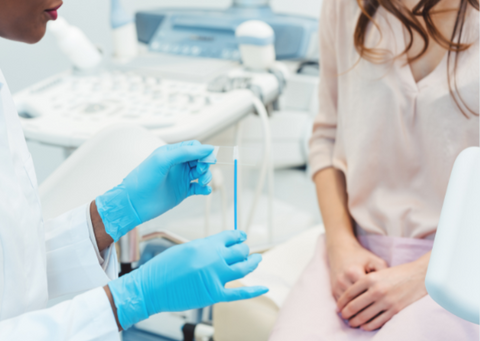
x=229 y=238
x=187 y=153
x=161 y=152
x=205 y=179
x=244 y=293
x=236 y=253
x=241 y=269
x=183 y=144
x=199 y=172
x=197 y=189
x=202 y=167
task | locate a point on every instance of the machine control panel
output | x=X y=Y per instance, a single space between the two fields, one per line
x=211 y=33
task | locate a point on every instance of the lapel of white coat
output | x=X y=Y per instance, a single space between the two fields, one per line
x=15 y=221
x=2 y=279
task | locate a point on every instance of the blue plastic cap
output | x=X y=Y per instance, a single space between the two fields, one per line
x=119 y=16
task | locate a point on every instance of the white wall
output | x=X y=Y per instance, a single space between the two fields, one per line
x=24 y=64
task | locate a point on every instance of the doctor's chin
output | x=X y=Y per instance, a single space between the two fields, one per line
x=244 y=170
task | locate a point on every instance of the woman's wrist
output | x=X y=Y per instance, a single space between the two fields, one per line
x=421 y=264
x=341 y=237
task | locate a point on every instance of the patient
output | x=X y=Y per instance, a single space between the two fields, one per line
x=399 y=100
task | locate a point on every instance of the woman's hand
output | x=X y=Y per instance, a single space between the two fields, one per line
x=374 y=299
x=349 y=262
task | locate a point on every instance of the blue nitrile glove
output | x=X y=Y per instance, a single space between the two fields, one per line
x=187 y=276
x=157 y=185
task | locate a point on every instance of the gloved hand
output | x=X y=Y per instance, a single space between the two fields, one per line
x=158 y=184
x=186 y=276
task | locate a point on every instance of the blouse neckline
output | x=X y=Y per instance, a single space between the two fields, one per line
x=407 y=73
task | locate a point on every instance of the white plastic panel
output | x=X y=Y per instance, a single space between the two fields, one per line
x=453 y=277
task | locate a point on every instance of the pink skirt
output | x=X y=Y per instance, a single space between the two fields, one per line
x=309 y=312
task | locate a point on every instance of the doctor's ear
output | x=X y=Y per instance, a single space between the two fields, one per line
x=26 y=20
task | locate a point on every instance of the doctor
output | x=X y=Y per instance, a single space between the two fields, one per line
x=75 y=251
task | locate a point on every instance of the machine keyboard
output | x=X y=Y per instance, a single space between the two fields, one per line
x=67 y=109
x=126 y=97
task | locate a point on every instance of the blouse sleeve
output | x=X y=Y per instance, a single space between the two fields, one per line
x=325 y=125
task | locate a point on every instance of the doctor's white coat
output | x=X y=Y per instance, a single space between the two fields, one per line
x=40 y=261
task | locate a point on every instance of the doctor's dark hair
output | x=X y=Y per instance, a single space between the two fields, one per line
x=409 y=19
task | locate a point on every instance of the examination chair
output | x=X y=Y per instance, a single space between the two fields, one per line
x=453 y=276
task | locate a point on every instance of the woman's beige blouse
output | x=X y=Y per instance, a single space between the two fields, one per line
x=395 y=140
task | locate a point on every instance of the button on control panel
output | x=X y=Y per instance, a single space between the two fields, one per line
x=196 y=50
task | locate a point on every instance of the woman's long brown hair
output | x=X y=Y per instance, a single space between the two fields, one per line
x=409 y=19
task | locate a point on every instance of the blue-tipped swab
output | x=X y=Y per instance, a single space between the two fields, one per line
x=235 y=177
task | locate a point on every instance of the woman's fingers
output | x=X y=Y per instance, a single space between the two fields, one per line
x=353 y=274
x=340 y=286
x=376 y=265
x=353 y=291
x=365 y=315
x=358 y=304
x=244 y=293
x=346 y=279
x=236 y=253
x=378 y=321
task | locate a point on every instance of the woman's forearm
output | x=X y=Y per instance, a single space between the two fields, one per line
x=424 y=260
x=332 y=199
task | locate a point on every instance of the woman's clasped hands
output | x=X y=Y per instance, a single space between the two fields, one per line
x=368 y=292
x=349 y=262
